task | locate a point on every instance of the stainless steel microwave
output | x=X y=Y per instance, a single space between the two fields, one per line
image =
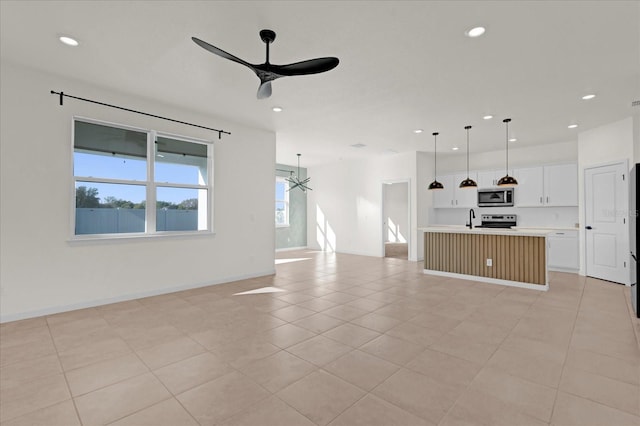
x=495 y=197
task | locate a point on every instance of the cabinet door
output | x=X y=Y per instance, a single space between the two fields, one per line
x=490 y=178
x=443 y=198
x=487 y=179
x=561 y=185
x=530 y=189
x=563 y=251
x=465 y=197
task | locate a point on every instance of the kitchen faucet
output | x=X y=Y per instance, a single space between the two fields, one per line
x=472 y=215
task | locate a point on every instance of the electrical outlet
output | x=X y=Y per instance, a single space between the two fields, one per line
x=489 y=262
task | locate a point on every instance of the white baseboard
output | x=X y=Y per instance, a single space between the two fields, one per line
x=357 y=253
x=558 y=269
x=132 y=296
x=291 y=249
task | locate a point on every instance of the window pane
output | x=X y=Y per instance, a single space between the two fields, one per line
x=281 y=213
x=280 y=190
x=107 y=208
x=109 y=152
x=180 y=162
x=181 y=209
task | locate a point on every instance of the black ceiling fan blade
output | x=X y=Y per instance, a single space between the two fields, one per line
x=211 y=48
x=312 y=66
x=264 y=91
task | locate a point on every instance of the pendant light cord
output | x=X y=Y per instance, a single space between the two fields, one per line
x=507 y=120
x=467 y=127
x=435 y=150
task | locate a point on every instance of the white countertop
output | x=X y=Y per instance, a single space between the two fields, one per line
x=552 y=229
x=461 y=229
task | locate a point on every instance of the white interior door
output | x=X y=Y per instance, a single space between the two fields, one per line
x=606 y=223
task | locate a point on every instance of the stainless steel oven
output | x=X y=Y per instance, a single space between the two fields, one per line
x=495 y=197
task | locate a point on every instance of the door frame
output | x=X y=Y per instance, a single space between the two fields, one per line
x=383 y=214
x=583 y=235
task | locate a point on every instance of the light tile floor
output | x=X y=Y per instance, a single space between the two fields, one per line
x=351 y=340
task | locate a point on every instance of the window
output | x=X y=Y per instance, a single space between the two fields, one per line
x=133 y=181
x=282 y=202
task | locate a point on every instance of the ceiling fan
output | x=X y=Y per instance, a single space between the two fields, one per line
x=268 y=72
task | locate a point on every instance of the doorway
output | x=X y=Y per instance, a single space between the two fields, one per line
x=395 y=219
x=606 y=214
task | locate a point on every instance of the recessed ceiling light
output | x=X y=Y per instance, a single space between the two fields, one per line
x=276 y=109
x=68 y=41
x=418 y=131
x=358 y=145
x=488 y=117
x=572 y=126
x=589 y=96
x=455 y=148
x=513 y=140
x=475 y=32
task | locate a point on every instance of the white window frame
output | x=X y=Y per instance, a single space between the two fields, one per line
x=287 y=208
x=150 y=184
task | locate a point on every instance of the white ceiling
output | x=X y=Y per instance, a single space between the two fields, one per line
x=403 y=66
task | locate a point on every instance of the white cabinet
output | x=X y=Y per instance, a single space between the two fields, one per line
x=443 y=198
x=490 y=178
x=465 y=197
x=452 y=196
x=562 y=251
x=555 y=185
x=561 y=185
x=530 y=189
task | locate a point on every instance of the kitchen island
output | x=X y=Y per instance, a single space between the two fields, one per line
x=513 y=257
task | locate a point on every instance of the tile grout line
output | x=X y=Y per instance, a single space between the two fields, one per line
x=64 y=373
x=483 y=365
x=172 y=396
x=566 y=355
x=498 y=347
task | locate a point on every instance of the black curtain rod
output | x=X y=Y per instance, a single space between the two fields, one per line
x=62 y=95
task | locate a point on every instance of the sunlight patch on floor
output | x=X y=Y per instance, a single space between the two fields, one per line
x=262 y=290
x=299 y=259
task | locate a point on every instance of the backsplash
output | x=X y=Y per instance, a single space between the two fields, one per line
x=547 y=217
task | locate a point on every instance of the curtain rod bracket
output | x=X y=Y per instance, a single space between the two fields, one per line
x=62 y=95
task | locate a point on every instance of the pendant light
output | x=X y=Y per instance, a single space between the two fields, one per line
x=468 y=182
x=435 y=184
x=507 y=180
x=296 y=182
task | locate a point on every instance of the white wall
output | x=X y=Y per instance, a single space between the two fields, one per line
x=345 y=207
x=424 y=176
x=396 y=212
x=43 y=272
x=613 y=142
x=636 y=138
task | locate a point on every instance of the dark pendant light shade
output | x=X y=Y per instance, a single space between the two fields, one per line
x=507 y=180
x=435 y=184
x=468 y=182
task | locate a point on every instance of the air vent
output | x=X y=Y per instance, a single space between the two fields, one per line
x=635 y=103
x=358 y=145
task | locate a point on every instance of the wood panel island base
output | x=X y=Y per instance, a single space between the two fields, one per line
x=499 y=256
